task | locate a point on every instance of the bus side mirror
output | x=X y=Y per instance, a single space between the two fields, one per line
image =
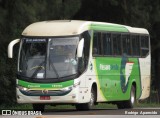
x=80 y=48
x=10 y=47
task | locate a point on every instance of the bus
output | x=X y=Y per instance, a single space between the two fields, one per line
x=82 y=63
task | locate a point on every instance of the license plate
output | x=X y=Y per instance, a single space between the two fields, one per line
x=45 y=98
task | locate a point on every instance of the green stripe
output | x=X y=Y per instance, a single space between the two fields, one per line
x=113 y=28
x=47 y=86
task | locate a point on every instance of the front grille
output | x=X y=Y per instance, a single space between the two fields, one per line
x=41 y=93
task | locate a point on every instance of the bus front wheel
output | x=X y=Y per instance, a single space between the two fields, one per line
x=90 y=104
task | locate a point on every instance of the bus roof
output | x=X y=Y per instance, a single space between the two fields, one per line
x=75 y=27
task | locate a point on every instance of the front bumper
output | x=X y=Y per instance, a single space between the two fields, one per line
x=71 y=97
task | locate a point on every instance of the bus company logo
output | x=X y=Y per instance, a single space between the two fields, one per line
x=45 y=91
x=109 y=67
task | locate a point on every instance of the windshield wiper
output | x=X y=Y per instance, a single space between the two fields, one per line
x=38 y=69
x=52 y=65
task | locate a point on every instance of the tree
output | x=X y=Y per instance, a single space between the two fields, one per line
x=155 y=41
x=15 y=15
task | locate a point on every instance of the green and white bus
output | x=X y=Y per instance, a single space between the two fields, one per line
x=82 y=63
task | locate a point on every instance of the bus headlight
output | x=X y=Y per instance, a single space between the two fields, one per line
x=70 y=87
x=67 y=88
x=22 y=88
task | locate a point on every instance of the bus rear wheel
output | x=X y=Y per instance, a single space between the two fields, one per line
x=90 y=104
x=129 y=103
x=38 y=107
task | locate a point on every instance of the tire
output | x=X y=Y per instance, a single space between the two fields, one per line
x=89 y=105
x=129 y=103
x=38 y=107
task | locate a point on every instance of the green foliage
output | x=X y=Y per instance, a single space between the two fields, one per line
x=15 y=15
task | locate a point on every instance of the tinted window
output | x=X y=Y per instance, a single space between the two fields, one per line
x=126 y=44
x=107 y=44
x=97 y=43
x=114 y=44
x=135 y=45
x=144 y=45
x=116 y=38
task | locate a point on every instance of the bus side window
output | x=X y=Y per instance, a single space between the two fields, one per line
x=144 y=45
x=116 y=38
x=126 y=44
x=135 y=45
x=96 y=44
x=107 y=44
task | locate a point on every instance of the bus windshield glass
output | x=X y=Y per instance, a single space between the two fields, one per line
x=48 y=58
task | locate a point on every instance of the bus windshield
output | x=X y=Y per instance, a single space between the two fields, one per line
x=50 y=58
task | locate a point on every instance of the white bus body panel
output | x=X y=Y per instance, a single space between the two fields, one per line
x=79 y=94
x=145 y=70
